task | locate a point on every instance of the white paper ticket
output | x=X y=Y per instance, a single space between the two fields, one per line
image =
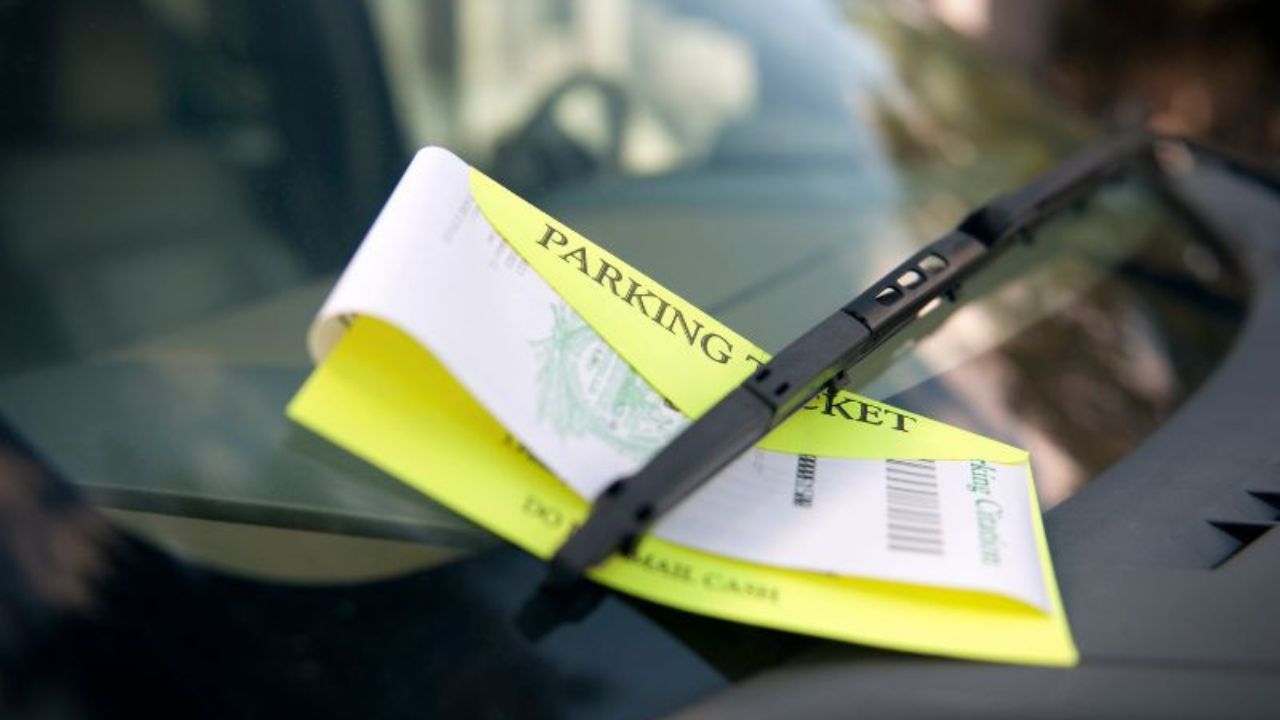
x=434 y=267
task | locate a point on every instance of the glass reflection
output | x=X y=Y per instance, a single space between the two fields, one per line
x=168 y=243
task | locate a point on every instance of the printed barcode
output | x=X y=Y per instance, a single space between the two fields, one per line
x=915 y=515
x=806 y=469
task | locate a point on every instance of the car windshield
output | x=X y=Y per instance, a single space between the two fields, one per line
x=183 y=180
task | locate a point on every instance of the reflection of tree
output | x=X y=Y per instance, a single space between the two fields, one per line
x=1080 y=345
x=973 y=128
x=1207 y=68
x=1078 y=389
x=1092 y=377
x=1085 y=385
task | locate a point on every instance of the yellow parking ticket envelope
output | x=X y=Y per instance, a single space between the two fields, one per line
x=494 y=359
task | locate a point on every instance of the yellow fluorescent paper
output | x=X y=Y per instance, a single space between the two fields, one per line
x=387 y=399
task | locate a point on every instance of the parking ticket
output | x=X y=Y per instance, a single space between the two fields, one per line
x=585 y=368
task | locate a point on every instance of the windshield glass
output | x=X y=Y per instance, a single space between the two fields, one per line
x=182 y=181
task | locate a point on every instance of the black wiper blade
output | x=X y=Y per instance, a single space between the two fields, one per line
x=819 y=360
x=1004 y=217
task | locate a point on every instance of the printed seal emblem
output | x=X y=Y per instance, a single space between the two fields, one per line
x=584 y=388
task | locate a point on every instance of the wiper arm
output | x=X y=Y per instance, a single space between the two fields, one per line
x=819 y=360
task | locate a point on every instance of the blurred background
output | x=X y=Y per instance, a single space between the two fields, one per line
x=1209 y=69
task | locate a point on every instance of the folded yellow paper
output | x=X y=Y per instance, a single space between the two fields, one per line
x=384 y=397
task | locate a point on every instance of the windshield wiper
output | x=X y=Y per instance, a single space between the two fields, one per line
x=820 y=360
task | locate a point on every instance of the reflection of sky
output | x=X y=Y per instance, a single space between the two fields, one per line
x=796 y=204
x=810 y=70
